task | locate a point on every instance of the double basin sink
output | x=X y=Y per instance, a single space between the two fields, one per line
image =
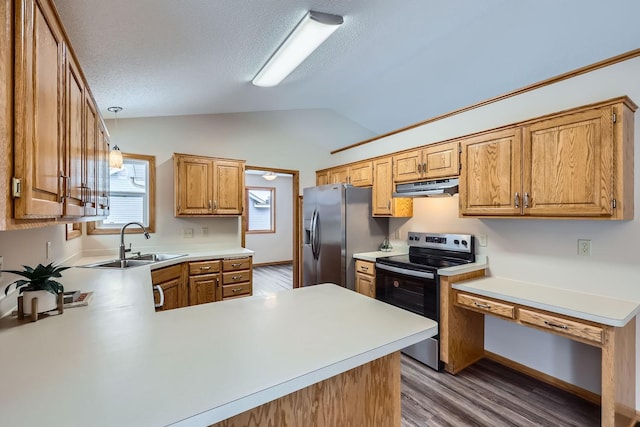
x=136 y=261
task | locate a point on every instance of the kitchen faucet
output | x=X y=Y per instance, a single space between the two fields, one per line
x=123 y=251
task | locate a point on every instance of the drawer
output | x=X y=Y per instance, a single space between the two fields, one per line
x=204 y=267
x=236 y=264
x=162 y=275
x=485 y=305
x=561 y=325
x=365 y=267
x=236 y=290
x=236 y=277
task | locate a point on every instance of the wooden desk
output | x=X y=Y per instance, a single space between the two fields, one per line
x=606 y=323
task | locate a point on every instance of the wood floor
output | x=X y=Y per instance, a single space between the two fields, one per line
x=272 y=278
x=485 y=394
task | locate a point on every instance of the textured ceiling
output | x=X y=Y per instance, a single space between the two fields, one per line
x=391 y=64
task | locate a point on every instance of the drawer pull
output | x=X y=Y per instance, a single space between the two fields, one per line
x=206 y=268
x=236 y=265
x=236 y=277
x=477 y=304
x=236 y=290
x=365 y=268
x=555 y=325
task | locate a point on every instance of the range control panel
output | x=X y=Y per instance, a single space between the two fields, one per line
x=446 y=242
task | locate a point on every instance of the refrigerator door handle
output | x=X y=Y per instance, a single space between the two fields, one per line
x=315 y=240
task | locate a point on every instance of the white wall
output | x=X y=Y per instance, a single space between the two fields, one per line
x=538 y=251
x=278 y=246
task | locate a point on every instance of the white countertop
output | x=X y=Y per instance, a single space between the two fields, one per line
x=372 y=256
x=118 y=362
x=595 y=308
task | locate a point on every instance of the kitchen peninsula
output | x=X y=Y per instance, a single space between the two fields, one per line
x=118 y=362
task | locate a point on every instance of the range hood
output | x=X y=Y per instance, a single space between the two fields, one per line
x=435 y=188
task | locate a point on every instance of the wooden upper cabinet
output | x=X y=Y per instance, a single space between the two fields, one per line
x=568 y=165
x=39 y=111
x=73 y=182
x=208 y=186
x=339 y=175
x=90 y=157
x=575 y=164
x=228 y=187
x=490 y=178
x=430 y=162
x=383 y=202
x=322 y=178
x=102 y=170
x=361 y=174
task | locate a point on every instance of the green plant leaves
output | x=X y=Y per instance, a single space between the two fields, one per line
x=39 y=278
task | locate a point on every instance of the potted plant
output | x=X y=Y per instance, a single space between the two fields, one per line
x=38 y=283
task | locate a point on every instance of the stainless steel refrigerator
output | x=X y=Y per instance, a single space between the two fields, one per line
x=337 y=223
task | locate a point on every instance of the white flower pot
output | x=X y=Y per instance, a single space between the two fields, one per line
x=46 y=301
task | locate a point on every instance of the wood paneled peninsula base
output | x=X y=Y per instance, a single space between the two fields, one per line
x=606 y=323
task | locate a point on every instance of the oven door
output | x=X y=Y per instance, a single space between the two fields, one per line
x=418 y=292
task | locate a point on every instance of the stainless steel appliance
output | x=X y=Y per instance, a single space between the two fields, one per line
x=411 y=281
x=337 y=223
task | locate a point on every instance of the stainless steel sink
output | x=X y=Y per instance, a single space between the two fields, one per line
x=136 y=261
x=156 y=257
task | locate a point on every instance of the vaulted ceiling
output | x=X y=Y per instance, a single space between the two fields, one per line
x=391 y=64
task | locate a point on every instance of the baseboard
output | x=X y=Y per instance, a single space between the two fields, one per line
x=545 y=378
x=268 y=264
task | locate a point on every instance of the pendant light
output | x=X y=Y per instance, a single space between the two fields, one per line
x=115 y=155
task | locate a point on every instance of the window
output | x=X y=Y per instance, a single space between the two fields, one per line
x=261 y=209
x=131 y=196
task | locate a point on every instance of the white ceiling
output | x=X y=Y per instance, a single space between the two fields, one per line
x=391 y=64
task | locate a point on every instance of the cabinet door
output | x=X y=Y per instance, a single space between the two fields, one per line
x=194 y=195
x=361 y=174
x=39 y=107
x=339 y=175
x=102 y=170
x=73 y=202
x=382 y=187
x=568 y=165
x=228 y=184
x=322 y=178
x=204 y=289
x=90 y=157
x=441 y=161
x=171 y=291
x=407 y=166
x=366 y=285
x=490 y=176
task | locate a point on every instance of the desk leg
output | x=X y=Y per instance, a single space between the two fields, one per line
x=619 y=376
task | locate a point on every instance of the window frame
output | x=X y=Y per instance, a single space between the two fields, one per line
x=272 y=208
x=93 y=226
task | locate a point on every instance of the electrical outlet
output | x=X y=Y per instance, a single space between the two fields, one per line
x=584 y=247
x=482 y=239
x=187 y=233
x=1 y=266
x=397 y=233
x=49 y=252
x=205 y=231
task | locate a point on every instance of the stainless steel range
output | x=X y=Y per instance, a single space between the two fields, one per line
x=411 y=281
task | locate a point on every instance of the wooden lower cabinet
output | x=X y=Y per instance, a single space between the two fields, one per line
x=237 y=278
x=170 y=282
x=204 y=282
x=366 y=278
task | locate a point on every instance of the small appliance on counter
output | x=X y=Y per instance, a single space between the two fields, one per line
x=411 y=281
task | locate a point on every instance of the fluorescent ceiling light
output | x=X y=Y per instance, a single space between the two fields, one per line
x=310 y=33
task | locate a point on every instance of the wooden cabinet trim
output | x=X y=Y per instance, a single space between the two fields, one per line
x=485 y=305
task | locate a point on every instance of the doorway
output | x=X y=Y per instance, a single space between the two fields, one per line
x=263 y=186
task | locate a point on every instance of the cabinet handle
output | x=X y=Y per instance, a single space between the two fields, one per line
x=236 y=290
x=215 y=205
x=236 y=265
x=236 y=277
x=419 y=167
x=516 y=200
x=208 y=267
x=161 y=292
x=66 y=191
x=477 y=304
x=364 y=268
x=210 y=205
x=424 y=167
x=526 y=200
x=555 y=325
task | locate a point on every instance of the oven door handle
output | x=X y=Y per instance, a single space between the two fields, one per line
x=406 y=271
